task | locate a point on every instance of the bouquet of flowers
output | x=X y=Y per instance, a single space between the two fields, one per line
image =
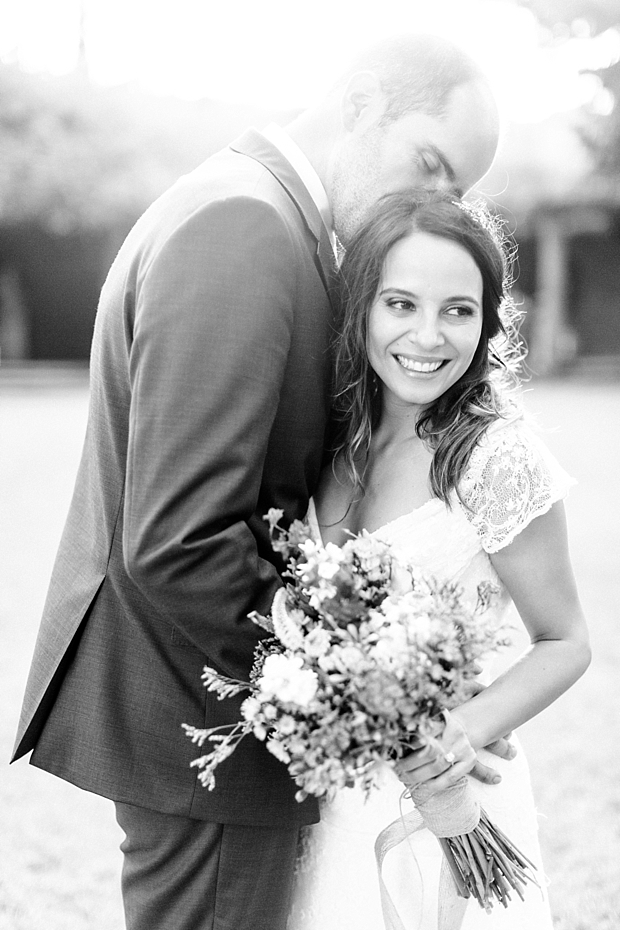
x=362 y=659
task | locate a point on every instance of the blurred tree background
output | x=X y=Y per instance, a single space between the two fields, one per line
x=80 y=162
x=562 y=177
x=562 y=19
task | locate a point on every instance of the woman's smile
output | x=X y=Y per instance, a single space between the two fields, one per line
x=420 y=366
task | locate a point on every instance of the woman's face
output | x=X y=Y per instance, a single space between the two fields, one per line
x=425 y=323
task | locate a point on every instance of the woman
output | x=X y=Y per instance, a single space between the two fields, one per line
x=434 y=457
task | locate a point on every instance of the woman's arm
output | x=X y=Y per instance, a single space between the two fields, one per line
x=536 y=570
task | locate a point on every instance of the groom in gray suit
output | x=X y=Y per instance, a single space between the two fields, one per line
x=210 y=385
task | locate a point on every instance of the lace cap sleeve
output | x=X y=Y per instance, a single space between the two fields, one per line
x=511 y=478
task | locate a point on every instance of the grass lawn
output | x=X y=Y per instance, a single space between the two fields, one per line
x=59 y=857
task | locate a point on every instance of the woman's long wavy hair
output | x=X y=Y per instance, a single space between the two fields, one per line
x=454 y=423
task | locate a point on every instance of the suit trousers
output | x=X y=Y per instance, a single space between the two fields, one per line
x=185 y=874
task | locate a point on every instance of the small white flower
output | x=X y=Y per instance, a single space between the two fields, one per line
x=392 y=645
x=274 y=515
x=408 y=612
x=326 y=662
x=297 y=747
x=351 y=659
x=311 y=550
x=328 y=570
x=371 y=552
x=250 y=708
x=325 y=593
x=421 y=627
x=277 y=749
x=269 y=711
x=285 y=678
x=324 y=560
x=316 y=643
x=259 y=731
x=286 y=725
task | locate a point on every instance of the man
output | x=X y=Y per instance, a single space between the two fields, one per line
x=210 y=376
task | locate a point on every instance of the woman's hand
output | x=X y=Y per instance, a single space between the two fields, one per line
x=440 y=763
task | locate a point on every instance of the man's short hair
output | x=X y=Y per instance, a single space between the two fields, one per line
x=417 y=73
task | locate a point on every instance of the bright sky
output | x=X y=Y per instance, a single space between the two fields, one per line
x=285 y=52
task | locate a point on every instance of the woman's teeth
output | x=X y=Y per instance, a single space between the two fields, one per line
x=424 y=367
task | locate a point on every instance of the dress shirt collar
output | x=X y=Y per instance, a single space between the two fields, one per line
x=310 y=179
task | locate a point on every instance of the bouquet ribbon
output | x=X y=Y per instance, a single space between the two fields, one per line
x=451 y=812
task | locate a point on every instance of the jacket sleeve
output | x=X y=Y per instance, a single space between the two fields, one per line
x=212 y=332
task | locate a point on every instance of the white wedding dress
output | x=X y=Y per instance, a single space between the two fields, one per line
x=511 y=479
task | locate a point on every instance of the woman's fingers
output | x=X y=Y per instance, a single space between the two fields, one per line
x=428 y=765
x=485 y=774
x=442 y=761
x=428 y=781
x=502 y=748
x=418 y=759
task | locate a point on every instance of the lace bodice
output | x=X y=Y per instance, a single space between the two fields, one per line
x=511 y=478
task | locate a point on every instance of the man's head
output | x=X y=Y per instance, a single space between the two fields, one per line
x=413 y=112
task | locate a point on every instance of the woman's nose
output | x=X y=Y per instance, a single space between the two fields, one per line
x=425 y=331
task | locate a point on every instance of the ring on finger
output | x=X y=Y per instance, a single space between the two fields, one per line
x=450 y=758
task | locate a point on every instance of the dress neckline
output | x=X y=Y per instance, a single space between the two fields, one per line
x=313 y=521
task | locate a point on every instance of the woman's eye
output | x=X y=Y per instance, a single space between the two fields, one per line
x=404 y=305
x=460 y=311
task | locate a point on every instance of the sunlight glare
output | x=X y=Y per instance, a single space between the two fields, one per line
x=285 y=55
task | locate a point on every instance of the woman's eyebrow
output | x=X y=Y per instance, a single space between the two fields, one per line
x=404 y=292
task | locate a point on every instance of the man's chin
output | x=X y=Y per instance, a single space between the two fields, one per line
x=347 y=217
x=346 y=227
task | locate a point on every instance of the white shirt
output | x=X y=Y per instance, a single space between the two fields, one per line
x=310 y=179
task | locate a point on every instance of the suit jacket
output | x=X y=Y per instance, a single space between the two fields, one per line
x=210 y=377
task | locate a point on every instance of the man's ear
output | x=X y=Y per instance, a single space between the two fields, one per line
x=362 y=99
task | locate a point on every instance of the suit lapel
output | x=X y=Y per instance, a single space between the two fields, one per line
x=256 y=146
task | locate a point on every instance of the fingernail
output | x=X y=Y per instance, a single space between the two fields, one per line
x=496 y=780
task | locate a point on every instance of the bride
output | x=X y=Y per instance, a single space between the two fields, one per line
x=434 y=457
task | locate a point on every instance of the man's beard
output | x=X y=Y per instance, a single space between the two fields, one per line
x=348 y=216
x=354 y=189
